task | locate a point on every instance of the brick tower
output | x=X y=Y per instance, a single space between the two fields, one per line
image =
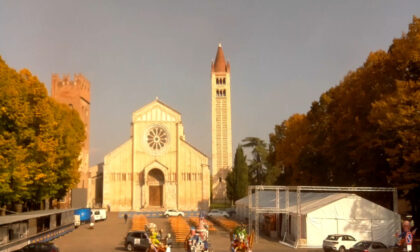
x=221 y=125
x=76 y=94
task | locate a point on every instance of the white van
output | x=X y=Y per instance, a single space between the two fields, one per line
x=100 y=214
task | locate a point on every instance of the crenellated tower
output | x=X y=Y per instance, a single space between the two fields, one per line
x=221 y=125
x=76 y=94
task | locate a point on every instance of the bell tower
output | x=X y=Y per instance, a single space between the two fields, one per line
x=76 y=94
x=221 y=125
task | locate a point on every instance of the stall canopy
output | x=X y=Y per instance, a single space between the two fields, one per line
x=327 y=213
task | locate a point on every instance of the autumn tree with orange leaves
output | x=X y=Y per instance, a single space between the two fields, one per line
x=363 y=132
x=40 y=141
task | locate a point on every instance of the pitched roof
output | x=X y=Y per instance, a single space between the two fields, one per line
x=310 y=201
x=220 y=62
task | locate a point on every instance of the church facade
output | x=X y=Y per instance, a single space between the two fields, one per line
x=156 y=167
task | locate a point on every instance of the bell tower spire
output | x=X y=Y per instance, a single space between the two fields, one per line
x=221 y=125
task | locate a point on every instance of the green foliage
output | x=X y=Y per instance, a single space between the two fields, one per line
x=237 y=179
x=258 y=166
x=40 y=140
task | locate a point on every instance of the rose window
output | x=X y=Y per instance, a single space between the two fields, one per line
x=157 y=138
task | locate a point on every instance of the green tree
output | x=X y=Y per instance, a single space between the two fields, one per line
x=258 y=164
x=237 y=179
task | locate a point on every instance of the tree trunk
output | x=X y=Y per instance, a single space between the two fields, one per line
x=3 y=211
x=18 y=207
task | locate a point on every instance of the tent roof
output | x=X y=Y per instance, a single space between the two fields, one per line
x=310 y=201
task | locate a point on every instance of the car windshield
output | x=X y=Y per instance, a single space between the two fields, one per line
x=333 y=237
x=363 y=244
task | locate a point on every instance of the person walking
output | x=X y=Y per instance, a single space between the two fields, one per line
x=168 y=242
x=92 y=221
x=125 y=218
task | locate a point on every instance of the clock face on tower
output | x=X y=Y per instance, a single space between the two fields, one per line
x=157 y=138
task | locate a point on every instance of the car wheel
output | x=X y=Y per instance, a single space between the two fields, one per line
x=342 y=249
x=179 y=214
x=130 y=247
x=167 y=215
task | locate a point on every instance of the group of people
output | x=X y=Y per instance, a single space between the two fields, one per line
x=156 y=239
x=197 y=239
x=240 y=240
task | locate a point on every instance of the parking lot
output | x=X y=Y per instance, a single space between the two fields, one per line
x=108 y=236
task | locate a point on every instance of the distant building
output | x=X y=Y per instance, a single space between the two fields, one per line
x=95 y=186
x=76 y=94
x=156 y=167
x=221 y=125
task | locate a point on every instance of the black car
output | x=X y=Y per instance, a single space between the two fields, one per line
x=137 y=240
x=39 y=247
x=370 y=246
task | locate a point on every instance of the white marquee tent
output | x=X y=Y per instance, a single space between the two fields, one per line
x=329 y=213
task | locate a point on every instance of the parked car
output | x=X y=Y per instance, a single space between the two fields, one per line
x=136 y=240
x=370 y=246
x=171 y=212
x=218 y=213
x=39 y=247
x=231 y=211
x=338 y=242
x=100 y=214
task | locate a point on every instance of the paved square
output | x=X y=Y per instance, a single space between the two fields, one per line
x=108 y=236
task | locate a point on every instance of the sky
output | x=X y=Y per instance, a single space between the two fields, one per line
x=283 y=55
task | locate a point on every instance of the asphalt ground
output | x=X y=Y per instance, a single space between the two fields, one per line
x=108 y=236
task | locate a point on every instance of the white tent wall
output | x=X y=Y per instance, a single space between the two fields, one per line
x=324 y=211
x=355 y=216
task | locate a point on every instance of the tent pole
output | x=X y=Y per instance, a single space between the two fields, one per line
x=277 y=214
x=299 y=219
x=287 y=211
x=257 y=226
x=395 y=200
x=249 y=209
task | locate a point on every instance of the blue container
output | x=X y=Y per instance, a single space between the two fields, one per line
x=84 y=214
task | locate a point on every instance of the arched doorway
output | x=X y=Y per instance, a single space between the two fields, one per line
x=155 y=181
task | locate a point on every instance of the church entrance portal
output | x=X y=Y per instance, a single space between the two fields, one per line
x=155 y=181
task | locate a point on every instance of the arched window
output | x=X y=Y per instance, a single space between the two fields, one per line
x=224 y=80
x=224 y=92
x=217 y=92
x=217 y=80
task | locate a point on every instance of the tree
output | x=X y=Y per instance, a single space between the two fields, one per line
x=362 y=132
x=40 y=141
x=397 y=118
x=258 y=164
x=237 y=179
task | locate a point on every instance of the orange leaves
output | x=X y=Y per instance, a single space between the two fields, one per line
x=40 y=140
